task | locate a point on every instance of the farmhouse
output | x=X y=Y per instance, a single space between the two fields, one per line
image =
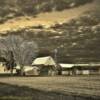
x=67 y=69
x=47 y=65
x=87 y=69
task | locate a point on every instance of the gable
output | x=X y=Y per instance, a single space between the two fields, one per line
x=44 y=61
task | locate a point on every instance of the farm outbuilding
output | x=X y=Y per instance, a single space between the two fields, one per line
x=67 y=69
x=47 y=65
x=80 y=69
x=87 y=69
x=28 y=70
x=40 y=66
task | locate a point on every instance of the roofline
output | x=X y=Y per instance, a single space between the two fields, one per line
x=91 y=64
x=84 y=64
x=41 y=65
x=44 y=57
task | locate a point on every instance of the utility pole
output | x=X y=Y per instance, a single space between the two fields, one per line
x=55 y=54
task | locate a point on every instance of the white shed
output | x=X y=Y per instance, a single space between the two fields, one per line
x=28 y=70
x=66 y=68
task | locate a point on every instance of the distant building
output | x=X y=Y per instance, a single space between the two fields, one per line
x=29 y=70
x=80 y=69
x=40 y=66
x=67 y=69
x=47 y=65
x=2 y=66
x=87 y=69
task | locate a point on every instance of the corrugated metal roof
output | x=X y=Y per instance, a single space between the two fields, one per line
x=91 y=64
x=44 y=61
x=66 y=65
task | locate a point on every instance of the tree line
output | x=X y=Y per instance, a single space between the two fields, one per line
x=17 y=51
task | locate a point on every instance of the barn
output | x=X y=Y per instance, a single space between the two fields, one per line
x=47 y=65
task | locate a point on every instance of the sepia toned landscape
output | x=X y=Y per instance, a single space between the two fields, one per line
x=49 y=49
x=50 y=88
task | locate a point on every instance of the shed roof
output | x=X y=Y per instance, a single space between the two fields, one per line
x=88 y=66
x=91 y=64
x=67 y=65
x=28 y=68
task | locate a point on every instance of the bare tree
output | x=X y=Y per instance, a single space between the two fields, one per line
x=23 y=51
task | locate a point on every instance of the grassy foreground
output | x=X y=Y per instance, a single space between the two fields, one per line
x=50 y=88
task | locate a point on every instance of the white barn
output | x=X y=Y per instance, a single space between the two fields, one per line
x=40 y=66
x=47 y=65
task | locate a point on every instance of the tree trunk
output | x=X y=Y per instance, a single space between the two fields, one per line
x=22 y=71
x=11 y=72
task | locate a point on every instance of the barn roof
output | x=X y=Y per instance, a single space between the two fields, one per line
x=44 y=61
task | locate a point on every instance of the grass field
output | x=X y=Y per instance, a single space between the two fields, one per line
x=50 y=88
